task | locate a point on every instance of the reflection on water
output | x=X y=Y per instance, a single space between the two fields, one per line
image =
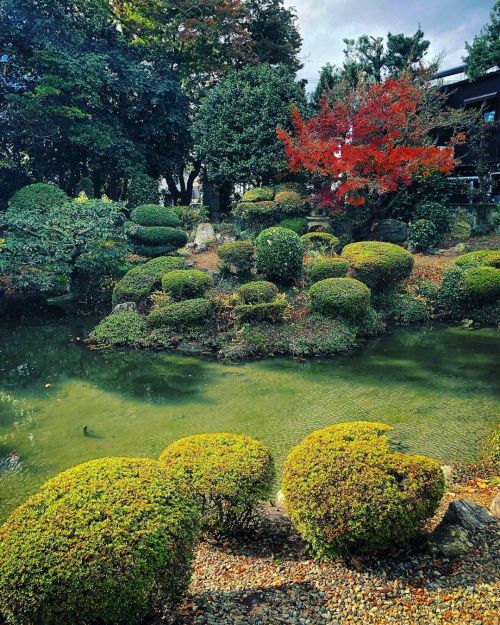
x=438 y=386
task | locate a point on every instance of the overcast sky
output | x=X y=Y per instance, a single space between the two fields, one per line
x=324 y=24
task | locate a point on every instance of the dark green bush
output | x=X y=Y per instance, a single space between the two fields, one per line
x=479 y=258
x=186 y=284
x=237 y=254
x=257 y=292
x=264 y=311
x=289 y=202
x=138 y=283
x=181 y=315
x=297 y=224
x=379 y=265
x=121 y=328
x=347 y=492
x=142 y=189
x=279 y=254
x=229 y=473
x=327 y=267
x=340 y=297
x=155 y=215
x=401 y=307
x=85 y=185
x=482 y=284
x=423 y=235
x=256 y=215
x=109 y=541
x=438 y=214
x=37 y=198
x=258 y=194
x=321 y=242
x=154 y=251
x=191 y=216
x=451 y=299
x=160 y=235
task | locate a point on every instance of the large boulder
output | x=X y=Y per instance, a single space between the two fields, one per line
x=390 y=230
x=204 y=235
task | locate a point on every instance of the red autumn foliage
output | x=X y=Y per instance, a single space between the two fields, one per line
x=372 y=142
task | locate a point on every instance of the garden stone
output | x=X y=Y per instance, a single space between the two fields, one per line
x=470 y=515
x=204 y=235
x=450 y=541
x=125 y=307
x=495 y=507
x=391 y=231
x=448 y=473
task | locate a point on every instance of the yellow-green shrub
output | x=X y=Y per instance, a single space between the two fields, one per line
x=237 y=254
x=109 y=542
x=482 y=284
x=186 y=284
x=289 y=202
x=491 y=451
x=229 y=473
x=327 y=267
x=378 y=264
x=257 y=292
x=479 y=257
x=181 y=315
x=258 y=194
x=120 y=328
x=347 y=492
x=340 y=297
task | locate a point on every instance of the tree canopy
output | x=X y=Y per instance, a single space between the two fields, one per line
x=484 y=51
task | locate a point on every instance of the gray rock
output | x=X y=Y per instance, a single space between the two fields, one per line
x=472 y=516
x=204 y=235
x=125 y=306
x=391 y=230
x=450 y=541
x=495 y=507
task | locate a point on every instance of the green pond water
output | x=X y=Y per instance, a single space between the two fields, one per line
x=439 y=387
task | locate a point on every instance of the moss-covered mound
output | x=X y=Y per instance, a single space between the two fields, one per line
x=482 y=284
x=109 y=542
x=279 y=254
x=321 y=241
x=258 y=194
x=327 y=267
x=489 y=258
x=182 y=315
x=347 y=492
x=263 y=311
x=257 y=292
x=155 y=215
x=340 y=297
x=186 y=284
x=138 y=283
x=229 y=473
x=379 y=265
x=237 y=254
x=121 y=328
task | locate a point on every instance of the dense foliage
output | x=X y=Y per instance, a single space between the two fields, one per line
x=279 y=254
x=121 y=328
x=320 y=241
x=379 y=265
x=185 y=315
x=347 y=492
x=484 y=52
x=109 y=541
x=257 y=292
x=186 y=284
x=229 y=473
x=237 y=254
x=272 y=311
x=154 y=231
x=423 y=235
x=340 y=297
x=327 y=267
x=297 y=224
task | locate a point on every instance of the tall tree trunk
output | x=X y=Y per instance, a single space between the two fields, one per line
x=182 y=190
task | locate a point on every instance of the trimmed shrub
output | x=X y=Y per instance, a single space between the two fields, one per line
x=347 y=492
x=264 y=311
x=289 y=202
x=298 y=187
x=154 y=251
x=142 y=189
x=138 y=283
x=85 y=185
x=379 y=265
x=482 y=284
x=257 y=292
x=423 y=235
x=327 y=267
x=181 y=315
x=401 y=307
x=438 y=214
x=257 y=214
x=186 y=283
x=479 y=258
x=154 y=215
x=38 y=197
x=258 y=194
x=160 y=235
x=279 y=254
x=461 y=229
x=340 y=297
x=109 y=541
x=320 y=241
x=297 y=224
x=451 y=298
x=121 y=328
x=237 y=254
x=229 y=473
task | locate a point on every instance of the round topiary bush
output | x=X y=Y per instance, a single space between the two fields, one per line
x=377 y=264
x=279 y=254
x=320 y=241
x=289 y=202
x=482 y=284
x=327 y=267
x=423 y=235
x=138 y=283
x=153 y=241
x=297 y=224
x=39 y=197
x=237 y=254
x=109 y=541
x=229 y=473
x=256 y=215
x=479 y=258
x=340 y=297
x=347 y=492
x=155 y=215
x=258 y=194
x=121 y=328
x=186 y=283
x=439 y=214
x=257 y=292
x=182 y=315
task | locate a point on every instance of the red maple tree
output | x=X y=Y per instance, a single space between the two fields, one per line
x=371 y=142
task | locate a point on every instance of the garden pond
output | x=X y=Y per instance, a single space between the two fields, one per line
x=438 y=386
